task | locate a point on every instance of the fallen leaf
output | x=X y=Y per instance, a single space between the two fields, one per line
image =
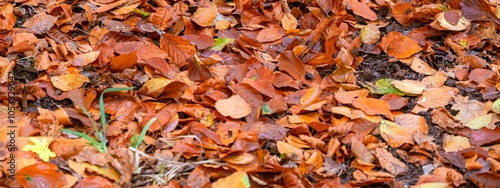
x=399 y=46
x=288 y=22
x=234 y=107
x=390 y=163
x=370 y=34
x=441 y=23
x=285 y=148
x=453 y=143
x=177 y=48
x=270 y=34
x=468 y=109
x=395 y=135
x=69 y=82
x=205 y=16
x=236 y=180
x=373 y=106
x=292 y=65
x=40 y=175
x=360 y=151
x=437 y=97
x=362 y=9
x=449 y=175
x=40 y=23
x=41 y=148
x=92 y=181
x=409 y=87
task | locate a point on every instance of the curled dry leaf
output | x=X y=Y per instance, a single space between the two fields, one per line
x=234 y=107
x=441 y=23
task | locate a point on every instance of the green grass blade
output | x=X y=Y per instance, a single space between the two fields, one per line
x=86 y=137
x=103 y=113
x=143 y=133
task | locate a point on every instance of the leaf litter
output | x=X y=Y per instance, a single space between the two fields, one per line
x=251 y=94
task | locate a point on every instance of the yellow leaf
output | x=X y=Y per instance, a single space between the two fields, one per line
x=41 y=148
x=69 y=82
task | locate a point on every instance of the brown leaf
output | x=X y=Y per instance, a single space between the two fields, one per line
x=162 y=18
x=390 y=163
x=469 y=109
x=40 y=23
x=268 y=131
x=285 y=148
x=402 y=13
x=288 y=22
x=396 y=102
x=292 y=65
x=177 y=48
x=362 y=9
x=67 y=147
x=485 y=179
x=270 y=34
x=236 y=180
x=455 y=143
x=478 y=10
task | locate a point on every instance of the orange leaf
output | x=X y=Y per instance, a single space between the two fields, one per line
x=40 y=175
x=285 y=148
x=362 y=9
x=399 y=46
x=124 y=61
x=69 y=82
x=373 y=106
x=205 y=16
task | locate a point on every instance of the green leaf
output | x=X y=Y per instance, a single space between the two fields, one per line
x=496 y=106
x=266 y=109
x=143 y=133
x=383 y=86
x=141 y=12
x=220 y=43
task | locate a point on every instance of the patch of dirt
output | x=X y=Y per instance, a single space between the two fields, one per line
x=25 y=71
